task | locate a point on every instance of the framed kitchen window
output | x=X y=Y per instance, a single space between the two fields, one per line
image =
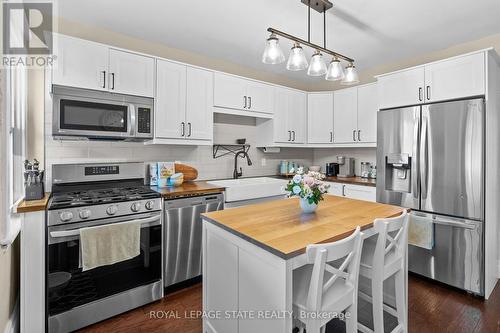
x=14 y=94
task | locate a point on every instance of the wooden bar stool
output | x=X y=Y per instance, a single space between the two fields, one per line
x=384 y=256
x=320 y=288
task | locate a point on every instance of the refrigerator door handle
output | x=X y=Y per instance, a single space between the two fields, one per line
x=414 y=166
x=453 y=223
x=424 y=158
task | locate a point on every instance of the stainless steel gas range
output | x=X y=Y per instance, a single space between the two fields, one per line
x=89 y=195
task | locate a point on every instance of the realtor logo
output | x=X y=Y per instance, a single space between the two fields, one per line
x=27 y=28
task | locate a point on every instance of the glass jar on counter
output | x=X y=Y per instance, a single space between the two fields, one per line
x=365 y=169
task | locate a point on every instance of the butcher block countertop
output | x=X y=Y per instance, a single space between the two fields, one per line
x=187 y=188
x=353 y=180
x=280 y=228
x=33 y=205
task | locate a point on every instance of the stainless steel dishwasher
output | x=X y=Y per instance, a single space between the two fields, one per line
x=183 y=235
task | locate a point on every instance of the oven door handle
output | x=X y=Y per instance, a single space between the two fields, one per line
x=76 y=232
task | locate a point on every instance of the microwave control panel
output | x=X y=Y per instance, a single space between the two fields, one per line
x=144 y=120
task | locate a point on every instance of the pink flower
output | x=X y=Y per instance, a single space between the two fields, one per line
x=309 y=181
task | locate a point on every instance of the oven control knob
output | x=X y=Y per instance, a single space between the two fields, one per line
x=150 y=205
x=111 y=210
x=66 y=216
x=84 y=214
x=136 y=206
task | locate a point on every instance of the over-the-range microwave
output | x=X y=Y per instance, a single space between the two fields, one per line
x=87 y=114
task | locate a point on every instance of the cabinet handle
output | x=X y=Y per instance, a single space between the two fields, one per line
x=331 y=136
x=420 y=94
x=104 y=79
x=343 y=190
x=112 y=81
x=289 y=135
x=354 y=135
x=189 y=129
x=249 y=102
x=245 y=106
x=183 y=129
x=293 y=135
x=359 y=135
x=428 y=89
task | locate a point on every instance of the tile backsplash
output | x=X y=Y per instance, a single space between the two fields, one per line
x=327 y=155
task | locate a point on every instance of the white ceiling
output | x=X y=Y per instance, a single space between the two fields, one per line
x=373 y=32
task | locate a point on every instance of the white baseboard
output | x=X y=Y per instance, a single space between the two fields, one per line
x=12 y=325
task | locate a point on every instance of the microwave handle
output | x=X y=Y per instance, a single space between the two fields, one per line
x=76 y=232
x=132 y=118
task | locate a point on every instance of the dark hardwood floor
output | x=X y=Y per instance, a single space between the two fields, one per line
x=432 y=308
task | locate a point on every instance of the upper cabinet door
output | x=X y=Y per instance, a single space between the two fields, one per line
x=199 y=104
x=281 y=121
x=230 y=92
x=297 y=116
x=320 y=118
x=401 y=88
x=170 y=112
x=345 y=115
x=367 y=113
x=259 y=97
x=81 y=64
x=131 y=73
x=455 y=78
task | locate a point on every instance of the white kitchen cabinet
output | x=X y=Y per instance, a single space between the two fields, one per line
x=84 y=64
x=320 y=117
x=170 y=110
x=80 y=63
x=131 y=73
x=345 y=118
x=455 y=78
x=289 y=122
x=351 y=191
x=199 y=104
x=237 y=93
x=184 y=100
x=367 y=113
x=401 y=88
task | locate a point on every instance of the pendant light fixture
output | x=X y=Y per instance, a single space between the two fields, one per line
x=297 y=60
x=351 y=75
x=272 y=53
x=335 y=71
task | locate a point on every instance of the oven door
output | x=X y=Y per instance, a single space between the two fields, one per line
x=92 y=117
x=69 y=288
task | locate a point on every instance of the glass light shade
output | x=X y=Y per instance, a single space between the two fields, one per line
x=335 y=71
x=317 y=67
x=351 y=75
x=297 y=60
x=273 y=53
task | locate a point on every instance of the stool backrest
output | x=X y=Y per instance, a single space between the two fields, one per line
x=321 y=255
x=392 y=239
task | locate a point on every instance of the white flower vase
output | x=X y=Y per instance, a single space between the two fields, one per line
x=307 y=207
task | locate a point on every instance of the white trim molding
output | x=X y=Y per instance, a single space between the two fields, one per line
x=12 y=325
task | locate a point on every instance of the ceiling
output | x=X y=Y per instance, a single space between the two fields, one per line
x=373 y=32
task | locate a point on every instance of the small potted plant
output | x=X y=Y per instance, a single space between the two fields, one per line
x=309 y=188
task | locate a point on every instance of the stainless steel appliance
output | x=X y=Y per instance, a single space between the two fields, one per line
x=431 y=159
x=87 y=114
x=183 y=235
x=346 y=166
x=89 y=195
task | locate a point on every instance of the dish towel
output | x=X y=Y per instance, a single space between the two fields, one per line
x=109 y=244
x=421 y=232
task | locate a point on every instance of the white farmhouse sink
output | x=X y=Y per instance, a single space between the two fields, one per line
x=251 y=188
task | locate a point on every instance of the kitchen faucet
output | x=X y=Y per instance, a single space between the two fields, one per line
x=237 y=174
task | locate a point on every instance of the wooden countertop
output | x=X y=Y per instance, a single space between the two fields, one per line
x=280 y=228
x=187 y=188
x=33 y=205
x=353 y=180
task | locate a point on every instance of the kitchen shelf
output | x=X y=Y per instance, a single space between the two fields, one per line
x=219 y=150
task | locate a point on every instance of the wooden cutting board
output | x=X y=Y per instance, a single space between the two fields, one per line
x=189 y=172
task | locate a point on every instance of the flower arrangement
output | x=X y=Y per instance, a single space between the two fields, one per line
x=309 y=187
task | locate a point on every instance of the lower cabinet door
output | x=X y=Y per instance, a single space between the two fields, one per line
x=360 y=192
x=336 y=189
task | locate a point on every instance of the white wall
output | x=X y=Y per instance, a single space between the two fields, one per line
x=328 y=155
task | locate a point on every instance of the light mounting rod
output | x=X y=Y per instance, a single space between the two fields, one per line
x=318 y=5
x=314 y=46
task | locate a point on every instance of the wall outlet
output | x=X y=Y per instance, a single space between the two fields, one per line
x=263 y=162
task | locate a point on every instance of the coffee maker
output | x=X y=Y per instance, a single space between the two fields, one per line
x=346 y=166
x=332 y=169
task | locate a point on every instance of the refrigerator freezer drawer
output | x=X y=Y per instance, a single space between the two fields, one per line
x=457 y=257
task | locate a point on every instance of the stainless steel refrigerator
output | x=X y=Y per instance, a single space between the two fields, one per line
x=430 y=158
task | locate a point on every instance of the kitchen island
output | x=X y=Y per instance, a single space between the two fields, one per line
x=249 y=254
